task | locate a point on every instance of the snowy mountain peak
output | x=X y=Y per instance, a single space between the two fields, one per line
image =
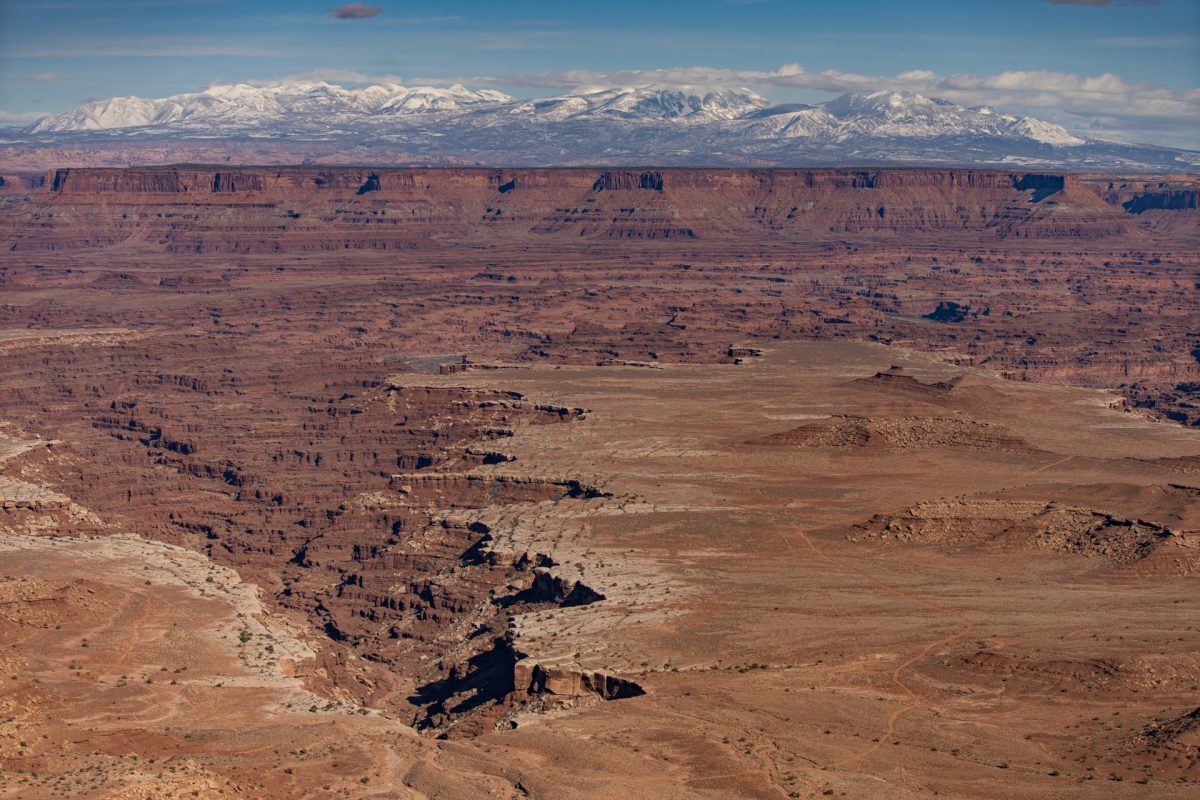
x=906 y=115
x=1048 y=132
x=888 y=103
x=643 y=123
x=646 y=103
x=234 y=107
x=687 y=102
x=232 y=91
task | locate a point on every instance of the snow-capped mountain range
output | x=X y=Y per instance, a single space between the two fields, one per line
x=277 y=110
x=645 y=124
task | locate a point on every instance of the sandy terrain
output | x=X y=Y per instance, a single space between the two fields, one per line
x=563 y=506
x=780 y=650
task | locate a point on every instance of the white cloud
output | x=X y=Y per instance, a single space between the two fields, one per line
x=1103 y=2
x=338 y=76
x=20 y=117
x=1149 y=41
x=161 y=47
x=1103 y=105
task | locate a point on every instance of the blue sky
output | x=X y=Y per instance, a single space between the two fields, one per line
x=1034 y=56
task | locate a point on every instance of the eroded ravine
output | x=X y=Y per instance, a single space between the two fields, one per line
x=361 y=506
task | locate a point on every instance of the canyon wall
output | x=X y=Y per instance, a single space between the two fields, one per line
x=203 y=209
x=245 y=362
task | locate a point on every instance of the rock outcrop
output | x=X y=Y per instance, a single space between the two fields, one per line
x=1116 y=541
x=897 y=432
x=533 y=678
x=390 y=208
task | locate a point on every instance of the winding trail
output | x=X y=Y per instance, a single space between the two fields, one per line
x=915 y=699
x=966 y=627
x=1051 y=465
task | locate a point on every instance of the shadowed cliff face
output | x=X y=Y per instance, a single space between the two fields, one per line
x=504 y=442
x=612 y=181
x=1168 y=200
x=451 y=181
x=635 y=265
x=306 y=209
x=1040 y=186
x=330 y=500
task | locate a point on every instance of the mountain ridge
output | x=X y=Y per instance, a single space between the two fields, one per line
x=701 y=126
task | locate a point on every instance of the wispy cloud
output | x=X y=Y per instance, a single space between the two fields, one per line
x=355 y=11
x=52 y=5
x=337 y=76
x=1103 y=2
x=1103 y=104
x=40 y=77
x=20 y=117
x=173 y=46
x=1149 y=41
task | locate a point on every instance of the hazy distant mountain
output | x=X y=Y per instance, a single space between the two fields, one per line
x=667 y=126
x=268 y=111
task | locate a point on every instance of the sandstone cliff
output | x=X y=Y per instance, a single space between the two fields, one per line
x=298 y=209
